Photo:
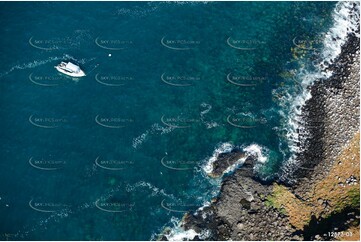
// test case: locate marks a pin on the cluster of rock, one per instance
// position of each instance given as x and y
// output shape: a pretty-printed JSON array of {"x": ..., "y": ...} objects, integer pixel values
[
  {"x": 332, "y": 114},
  {"x": 240, "y": 213}
]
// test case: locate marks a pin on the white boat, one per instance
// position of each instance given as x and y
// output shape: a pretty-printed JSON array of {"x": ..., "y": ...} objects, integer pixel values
[{"x": 70, "y": 69}]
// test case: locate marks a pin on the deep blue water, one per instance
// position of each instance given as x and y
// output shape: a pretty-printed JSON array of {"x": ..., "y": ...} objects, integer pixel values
[{"x": 103, "y": 157}]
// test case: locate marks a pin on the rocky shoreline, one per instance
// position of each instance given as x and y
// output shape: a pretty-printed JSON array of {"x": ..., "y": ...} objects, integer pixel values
[
  {"x": 332, "y": 114},
  {"x": 240, "y": 213},
  {"x": 249, "y": 209}
]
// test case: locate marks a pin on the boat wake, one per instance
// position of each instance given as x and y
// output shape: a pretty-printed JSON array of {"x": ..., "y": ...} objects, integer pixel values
[
  {"x": 159, "y": 129},
  {"x": 30, "y": 65},
  {"x": 155, "y": 191},
  {"x": 36, "y": 63},
  {"x": 155, "y": 129},
  {"x": 58, "y": 216}
]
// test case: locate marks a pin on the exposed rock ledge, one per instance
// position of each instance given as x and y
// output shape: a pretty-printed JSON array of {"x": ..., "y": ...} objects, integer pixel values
[{"x": 326, "y": 197}]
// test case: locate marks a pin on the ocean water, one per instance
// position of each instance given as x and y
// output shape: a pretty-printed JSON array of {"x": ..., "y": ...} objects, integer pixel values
[{"x": 124, "y": 152}]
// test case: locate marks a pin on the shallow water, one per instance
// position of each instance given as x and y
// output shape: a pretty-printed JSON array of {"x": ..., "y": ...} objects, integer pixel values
[{"x": 116, "y": 154}]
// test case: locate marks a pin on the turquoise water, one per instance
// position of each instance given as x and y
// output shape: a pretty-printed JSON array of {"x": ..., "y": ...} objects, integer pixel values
[{"x": 118, "y": 153}]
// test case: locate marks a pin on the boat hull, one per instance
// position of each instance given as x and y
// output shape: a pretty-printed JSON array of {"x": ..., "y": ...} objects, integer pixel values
[{"x": 79, "y": 74}]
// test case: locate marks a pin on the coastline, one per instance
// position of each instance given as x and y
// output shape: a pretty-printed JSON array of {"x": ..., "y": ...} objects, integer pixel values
[{"x": 327, "y": 178}]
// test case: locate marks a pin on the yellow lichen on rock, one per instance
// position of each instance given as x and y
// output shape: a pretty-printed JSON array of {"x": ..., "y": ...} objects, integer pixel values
[
  {"x": 336, "y": 190},
  {"x": 299, "y": 213},
  {"x": 353, "y": 234}
]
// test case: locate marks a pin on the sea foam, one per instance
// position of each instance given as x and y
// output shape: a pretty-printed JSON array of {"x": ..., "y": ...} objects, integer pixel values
[
  {"x": 257, "y": 151},
  {"x": 345, "y": 21},
  {"x": 177, "y": 233}
]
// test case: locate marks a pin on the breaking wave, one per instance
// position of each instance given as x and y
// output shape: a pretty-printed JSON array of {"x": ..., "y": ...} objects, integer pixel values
[
  {"x": 292, "y": 100},
  {"x": 176, "y": 232}
]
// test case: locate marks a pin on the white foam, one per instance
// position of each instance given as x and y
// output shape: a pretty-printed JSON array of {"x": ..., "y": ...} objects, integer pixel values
[
  {"x": 56, "y": 216},
  {"x": 155, "y": 191},
  {"x": 137, "y": 11},
  {"x": 155, "y": 129},
  {"x": 177, "y": 233},
  {"x": 342, "y": 26},
  {"x": 205, "y": 214},
  {"x": 206, "y": 204},
  {"x": 36, "y": 63},
  {"x": 345, "y": 22},
  {"x": 221, "y": 148},
  {"x": 186, "y": 2},
  {"x": 208, "y": 124},
  {"x": 335, "y": 38},
  {"x": 140, "y": 139},
  {"x": 30, "y": 65},
  {"x": 182, "y": 235},
  {"x": 256, "y": 151},
  {"x": 207, "y": 107}
]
